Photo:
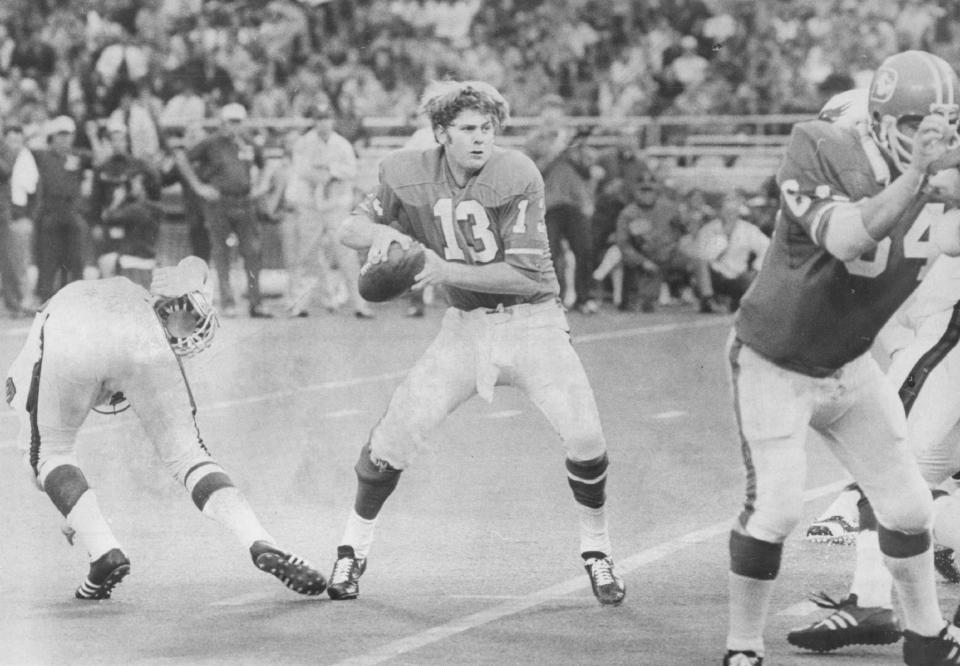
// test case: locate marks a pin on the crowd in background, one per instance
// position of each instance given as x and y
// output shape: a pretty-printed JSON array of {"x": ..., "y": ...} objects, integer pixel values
[{"x": 157, "y": 68}]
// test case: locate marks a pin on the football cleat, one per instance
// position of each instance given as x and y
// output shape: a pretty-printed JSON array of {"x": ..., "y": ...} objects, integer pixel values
[
  {"x": 106, "y": 572},
  {"x": 940, "y": 650},
  {"x": 945, "y": 564},
  {"x": 834, "y": 530},
  {"x": 848, "y": 624},
  {"x": 742, "y": 658},
  {"x": 608, "y": 588},
  {"x": 346, "y": 573},
  {"x": 294, "y": 572}
]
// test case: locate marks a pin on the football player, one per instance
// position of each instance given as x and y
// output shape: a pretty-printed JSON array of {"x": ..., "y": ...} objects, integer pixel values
[
  {"x": 109, "y": 343},
  {"x": 857, "y": 225},
  {"x": 479, "y": 210}
]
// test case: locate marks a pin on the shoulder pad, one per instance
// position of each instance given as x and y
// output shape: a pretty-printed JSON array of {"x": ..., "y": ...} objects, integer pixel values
[
  {"x": 411, "y": 167},
  {"x": 510, "y": 171}
]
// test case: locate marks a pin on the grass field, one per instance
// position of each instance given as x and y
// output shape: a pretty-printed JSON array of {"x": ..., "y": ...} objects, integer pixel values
[{"x": 476, "y": 558}]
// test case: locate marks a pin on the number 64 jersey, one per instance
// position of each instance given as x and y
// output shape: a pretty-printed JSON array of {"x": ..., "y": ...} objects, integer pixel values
[
  {"x": 497, "y": 216},
  {"x": 807, "y": 310}
]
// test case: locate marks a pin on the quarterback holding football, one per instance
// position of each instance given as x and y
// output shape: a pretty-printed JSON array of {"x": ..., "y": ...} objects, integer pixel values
[{"x": 478, "y": 211}]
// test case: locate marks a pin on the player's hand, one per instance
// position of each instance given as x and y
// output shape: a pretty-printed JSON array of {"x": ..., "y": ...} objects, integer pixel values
[
  {"x": 383, "y": 236},
  {"x": 931, "y": 141},
  {"x": 434, "y": 271}
]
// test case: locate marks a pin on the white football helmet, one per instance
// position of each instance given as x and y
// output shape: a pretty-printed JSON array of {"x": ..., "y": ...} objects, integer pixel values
[{"x": 197, "y": 305}]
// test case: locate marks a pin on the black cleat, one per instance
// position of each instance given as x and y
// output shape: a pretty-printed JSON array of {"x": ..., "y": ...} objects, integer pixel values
[
  {"x": 945, "y": 564},
  {"x": 608, "y": 588},
  {"x": 346, "y": 574},
  {"x": 742, "y": 658},
  {"x": 294, "y": 572},
  {"x": 833, "y": 530},
  {"x": 106, "y": 572},
  {"x": 940, "y": 650},
  {"x": 848, "y": 624}
]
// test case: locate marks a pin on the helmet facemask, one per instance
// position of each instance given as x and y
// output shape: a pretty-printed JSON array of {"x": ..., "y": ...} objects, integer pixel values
[
  {"x": 898, "y": 145},
  {"x": 175, "y": 313}
]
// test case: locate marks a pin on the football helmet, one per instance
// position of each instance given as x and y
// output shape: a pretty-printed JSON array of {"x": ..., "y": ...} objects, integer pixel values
[
  {"x": 911, "y": 84},
  {"x": 206, "y": 322}
]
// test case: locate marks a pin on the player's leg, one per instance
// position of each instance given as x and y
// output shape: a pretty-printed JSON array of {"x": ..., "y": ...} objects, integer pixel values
[
  {"x": 840, "y": 521},
  {"x": 159, "y": 394},
  {"x": 58, "y": 392},
  {"x": 773, "y": 408},
  {"x": 870, "y": 439},
  {"x": 217, "y": 224},
  {"x": 247, "y": 225},
  {"x": 548, "y": 370},
  {"x": 443, "y": 378},
  {"x": 927, "y": 372}
]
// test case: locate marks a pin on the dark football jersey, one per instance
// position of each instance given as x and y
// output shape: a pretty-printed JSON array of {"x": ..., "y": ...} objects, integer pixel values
[
  {"x": 497, "y": 216},
  {"x": 807, "y": 310}
]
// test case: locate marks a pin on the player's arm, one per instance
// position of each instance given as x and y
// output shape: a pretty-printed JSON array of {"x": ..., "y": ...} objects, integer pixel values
[
  {"x": 853, "y": 228},
  {"x": 185, "y": 165},
  {"x": 498, "y": 277},
  {"x": 367, "y": 228}
]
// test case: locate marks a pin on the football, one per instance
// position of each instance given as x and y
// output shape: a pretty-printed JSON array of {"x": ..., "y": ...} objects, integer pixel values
[{"x": 394, "y": 275}]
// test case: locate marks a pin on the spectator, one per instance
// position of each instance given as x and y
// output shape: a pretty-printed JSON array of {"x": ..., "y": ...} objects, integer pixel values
[
  {"x": 185, "y": 107},
  {"x": 565, "y": 163},
  {"x": 730, "y": 253},
  {"x": 132, "y": 223},
  {"x": 61, "y": 230},
  {"x": 16, "y": 237},
  {"x": 648, "y": 233},
  {"x": 112, "y": 189},
  {"x": 228, "y": 177},
  {"x": 10, "y": 286},
  {"x": 320, "y": 192},
  {"x": 135, "y": 113}
]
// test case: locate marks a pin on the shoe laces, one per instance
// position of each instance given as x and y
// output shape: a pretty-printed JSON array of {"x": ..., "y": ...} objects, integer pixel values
[
  {"x": 824, "y": 600},
  {"x": 342, "y": 569},
  {"x": 602, "y": 571}
]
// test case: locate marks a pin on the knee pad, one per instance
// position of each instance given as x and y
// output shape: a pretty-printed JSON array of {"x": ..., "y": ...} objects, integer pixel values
[
  {"x": 375, "y": 482},
  {"x": 64, "y": 485},
  {"x": 588, "y": 480},
  {"x": 204, "y": 479},
  {"x": 754, "y": 558}
]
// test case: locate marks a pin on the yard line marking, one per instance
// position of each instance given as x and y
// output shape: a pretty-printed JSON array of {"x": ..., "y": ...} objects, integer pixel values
[
  {"x": 671, "y": 414},
  {"x": 505, "y": 414},
  {"x": 519, "y": 604},
  {"x": 373, "y": 379},
  {"x": 105, "y": 427}
]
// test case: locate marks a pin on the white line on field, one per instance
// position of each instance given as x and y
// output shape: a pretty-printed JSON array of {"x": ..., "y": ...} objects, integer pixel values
[
  {"x": 374, "y": 379},
  {"x": 519, "y": 604}
]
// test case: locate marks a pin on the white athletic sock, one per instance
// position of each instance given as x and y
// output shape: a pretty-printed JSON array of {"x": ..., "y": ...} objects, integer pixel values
[
  {"x": 229, "y": 508},
  {"x": 593, "y": 529},
  {"x": 749, "y": 602},
  {"x": 359, "y": 534},
  {"x": 872, "y": 582},
  {"x": 917, "y": 592},
  {"x": 946, "y": 522},
  {"x": 91, "y": 527}
]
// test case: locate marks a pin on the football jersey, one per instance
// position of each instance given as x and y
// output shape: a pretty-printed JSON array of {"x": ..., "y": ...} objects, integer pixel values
[
  {"x": 807, "y": 310},
  {"x": 497, "y": 216}
]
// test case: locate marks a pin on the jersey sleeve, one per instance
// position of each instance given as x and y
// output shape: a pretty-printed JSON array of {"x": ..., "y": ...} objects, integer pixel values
[
  {"x": 384, "y": 207},
  {"x": 520, "y": 220},
  {"x": 810, "y": 177}
]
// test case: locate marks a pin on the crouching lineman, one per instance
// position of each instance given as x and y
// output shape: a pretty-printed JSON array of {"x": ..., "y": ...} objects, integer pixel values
[{"x": 100, "y": 343}]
